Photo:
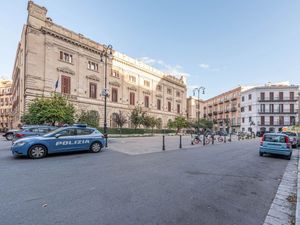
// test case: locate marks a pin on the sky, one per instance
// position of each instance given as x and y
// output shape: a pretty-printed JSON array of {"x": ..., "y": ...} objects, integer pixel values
[{"x": 217, "y": 44}]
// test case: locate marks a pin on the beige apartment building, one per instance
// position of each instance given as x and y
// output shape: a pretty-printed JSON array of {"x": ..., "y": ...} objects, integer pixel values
[
  {"x": 194, "y": 107},
  {"x": 49, "y": 53},
  {"x": 5, "y": 104}
]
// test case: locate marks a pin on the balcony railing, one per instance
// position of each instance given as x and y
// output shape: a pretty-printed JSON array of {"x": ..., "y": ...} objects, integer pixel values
[
  {"x": 276, "y": 123},
  {"x": 277, "y": 111},
  {"x": 233, "y": 109},
  {"x": 277, "y": 99}
]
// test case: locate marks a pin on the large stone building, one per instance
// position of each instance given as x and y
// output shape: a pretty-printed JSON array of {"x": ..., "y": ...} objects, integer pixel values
[
  {"x": 194, "y": 107},
  {"x": 269, "y": 107},
  {"x": 49, "y": 54},
  {"x": 5, "y": 104}
]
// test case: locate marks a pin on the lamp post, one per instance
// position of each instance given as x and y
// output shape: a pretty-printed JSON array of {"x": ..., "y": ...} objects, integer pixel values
[
  {"x": 106, "y": 53},
  {"x": 198, "y": 90}
]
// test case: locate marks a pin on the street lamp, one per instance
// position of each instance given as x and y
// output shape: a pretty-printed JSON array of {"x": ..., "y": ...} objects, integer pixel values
[
  {"x": 106, "y": 53},
  {"x": 199, "y": 89}
]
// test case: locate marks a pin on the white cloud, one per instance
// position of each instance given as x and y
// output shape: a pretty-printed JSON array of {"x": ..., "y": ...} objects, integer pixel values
[
  {"x": 176, "y": 70},
  {"x": 204, "y": 66},
  {"x": 209, "y": 67}
]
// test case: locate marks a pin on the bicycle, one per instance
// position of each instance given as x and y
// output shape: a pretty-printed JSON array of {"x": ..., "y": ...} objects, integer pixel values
[{"x": 197, "y": 139}]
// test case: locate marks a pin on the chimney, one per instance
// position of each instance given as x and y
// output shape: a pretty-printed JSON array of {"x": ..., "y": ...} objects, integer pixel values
[{"x": 36, "y": 15}]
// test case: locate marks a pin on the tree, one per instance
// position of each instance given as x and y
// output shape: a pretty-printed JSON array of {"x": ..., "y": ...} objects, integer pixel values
[
  {"x": 178, "y": 123},
  {"x": 91, "y": 118},
  {"x": 120, "y": 119},
  {"x": 158, "y": 123},
  {"x": 137, "y": 116},
  {"x": 149, "y": 121},
  {"x": 53, "y": 110}
]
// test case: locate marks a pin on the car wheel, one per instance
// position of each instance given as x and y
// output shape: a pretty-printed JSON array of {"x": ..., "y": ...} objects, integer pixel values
[
  {"x": 96, "y": 147},
  {"x": 261, "y": 154},
  {"x": 37, "y": 152},
  {"x": 9, "y": 137}
]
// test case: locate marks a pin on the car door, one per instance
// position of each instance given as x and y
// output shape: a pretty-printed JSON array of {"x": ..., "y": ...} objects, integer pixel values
[
  {"x": 66, "y": 141},
  {"x": 84, "y": 138}
]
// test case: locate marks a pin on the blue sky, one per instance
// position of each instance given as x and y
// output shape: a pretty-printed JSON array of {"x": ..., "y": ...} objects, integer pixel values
[{"x": 218, "y": 44}]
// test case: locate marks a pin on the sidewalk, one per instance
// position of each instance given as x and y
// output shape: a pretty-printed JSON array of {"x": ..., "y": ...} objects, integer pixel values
[{"x": 283, "y": 208}]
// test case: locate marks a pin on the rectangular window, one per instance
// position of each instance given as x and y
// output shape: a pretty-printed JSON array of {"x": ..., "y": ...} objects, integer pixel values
[
  {"x": 292, "y": 108},
  {"x": 169, "y": 107},
  {"x": 115, "y": 74},
  {"x": 249, "y": 108},
  {"x": 292, "y": 120},
  {"x": 132, "y": 79},
  {"x": 158, "y": 104},
  {"x": 158, "y": 88},
  {"x": 291, "y": 95},
  {"x": 249, "y": 97},
  {"x": 177, "y": 93},
  {"x": 243, "y": 98},
  {"x": 132, "y": 98},
  {"x": 262, "y": 95},
  {"x": 146, "y": 99},
  {"x": 169, "y": 91},
  {"x": 281, "y": 120},
  {"x": 271, "y": 108},
  {"x": 262, "y": 120},
  {"x": 281, "y": 108},
  {"x": 93, "y": 90},
  {"x": 262, "y": 107},
  {"x": 146, "y": 83},
  {"x": 178, "y": 108},
  {"x": 92, "y": 66},
  {"x": 250, "y": 119},
  {"x": 280, "y": 95},
  {"x": 114, "y": 95},
  {"x": 65, "y": 84},
  {"x": 66, "y": 57},
  {"x": 271, "y": 94},
  {"x": 243, "y": 120},
  {"x": 271, "y": 120}
]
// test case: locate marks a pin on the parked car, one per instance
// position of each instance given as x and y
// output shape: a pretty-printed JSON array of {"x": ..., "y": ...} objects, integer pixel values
[
  {"x": 34, "y": 130},
  {"x": 9, "y": 135},
  {"x": 276, "y": 143},
  {"x": 294, "y": 139},
  {"x": 65, "y": 139}
]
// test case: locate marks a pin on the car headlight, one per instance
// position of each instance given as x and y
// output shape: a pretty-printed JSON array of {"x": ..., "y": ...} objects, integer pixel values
[{"x": 19, "y": 144}]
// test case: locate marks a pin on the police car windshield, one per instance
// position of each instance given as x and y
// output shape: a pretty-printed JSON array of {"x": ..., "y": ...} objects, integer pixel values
[{"x": 52, "y": 133}]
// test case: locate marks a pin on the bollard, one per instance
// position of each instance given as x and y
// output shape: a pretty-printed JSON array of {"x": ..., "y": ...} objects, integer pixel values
[
  {"x": 180, "y": 141},
  {"x": 203, "y": 139},
  {"x": 229, "y": 137},
  {"x": 224, "y": 139},
  {"x": 163, "y": 146},
  {"x": 212, "y": 139}
]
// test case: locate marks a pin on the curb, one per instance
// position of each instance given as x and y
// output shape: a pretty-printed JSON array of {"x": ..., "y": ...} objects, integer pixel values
[{"x": 298, "y": 196}]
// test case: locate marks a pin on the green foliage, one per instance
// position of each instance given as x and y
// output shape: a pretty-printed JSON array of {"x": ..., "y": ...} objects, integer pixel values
[
  {"x": 137, "y": 116},
  {"x": 120, "y": 119},
  {"x": 203, "y": 123},
  {"x": 54, "y": 110},
  {"x": 90, "y": 118},
  {"x": 178, "y": 123},
  {"x": 138, "y": 131}
]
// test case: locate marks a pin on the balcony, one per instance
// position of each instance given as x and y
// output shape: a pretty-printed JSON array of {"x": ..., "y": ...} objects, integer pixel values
[
  {"x": 227, "y": 110},
  {"x": 277, "y": 111},
  {"x": 276, "y": 123},
  {"x": 221, "y": 111},
  {"x": 209, "y": 114},
  {"x": 233, "y": 98},
  {"x": 215, "y": 103},
  {"x": 221, "y": 101},
  {"x": 233, "y": 109},
  {"x": 215, "y": 112},
  {"x": 277, "y": 99},
  {"x": 226, "y": 99}
]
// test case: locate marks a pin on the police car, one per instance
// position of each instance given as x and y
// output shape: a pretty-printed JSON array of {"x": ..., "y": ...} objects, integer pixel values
[{"x": 66, "y": 139}]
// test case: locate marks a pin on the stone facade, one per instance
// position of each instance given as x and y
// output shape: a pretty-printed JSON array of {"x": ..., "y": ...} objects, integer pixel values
[
  {"x": 5, "y": 104},
  {"x": 51, "y": 58},
  {"x": 194, "y": 107}
]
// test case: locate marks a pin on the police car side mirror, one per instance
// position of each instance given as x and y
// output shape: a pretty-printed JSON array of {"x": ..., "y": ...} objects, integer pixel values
[{"x": 57, "y": 135}]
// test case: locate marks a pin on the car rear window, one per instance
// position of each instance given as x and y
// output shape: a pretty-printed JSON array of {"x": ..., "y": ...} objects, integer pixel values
[{"x": 274, "y": 138}]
